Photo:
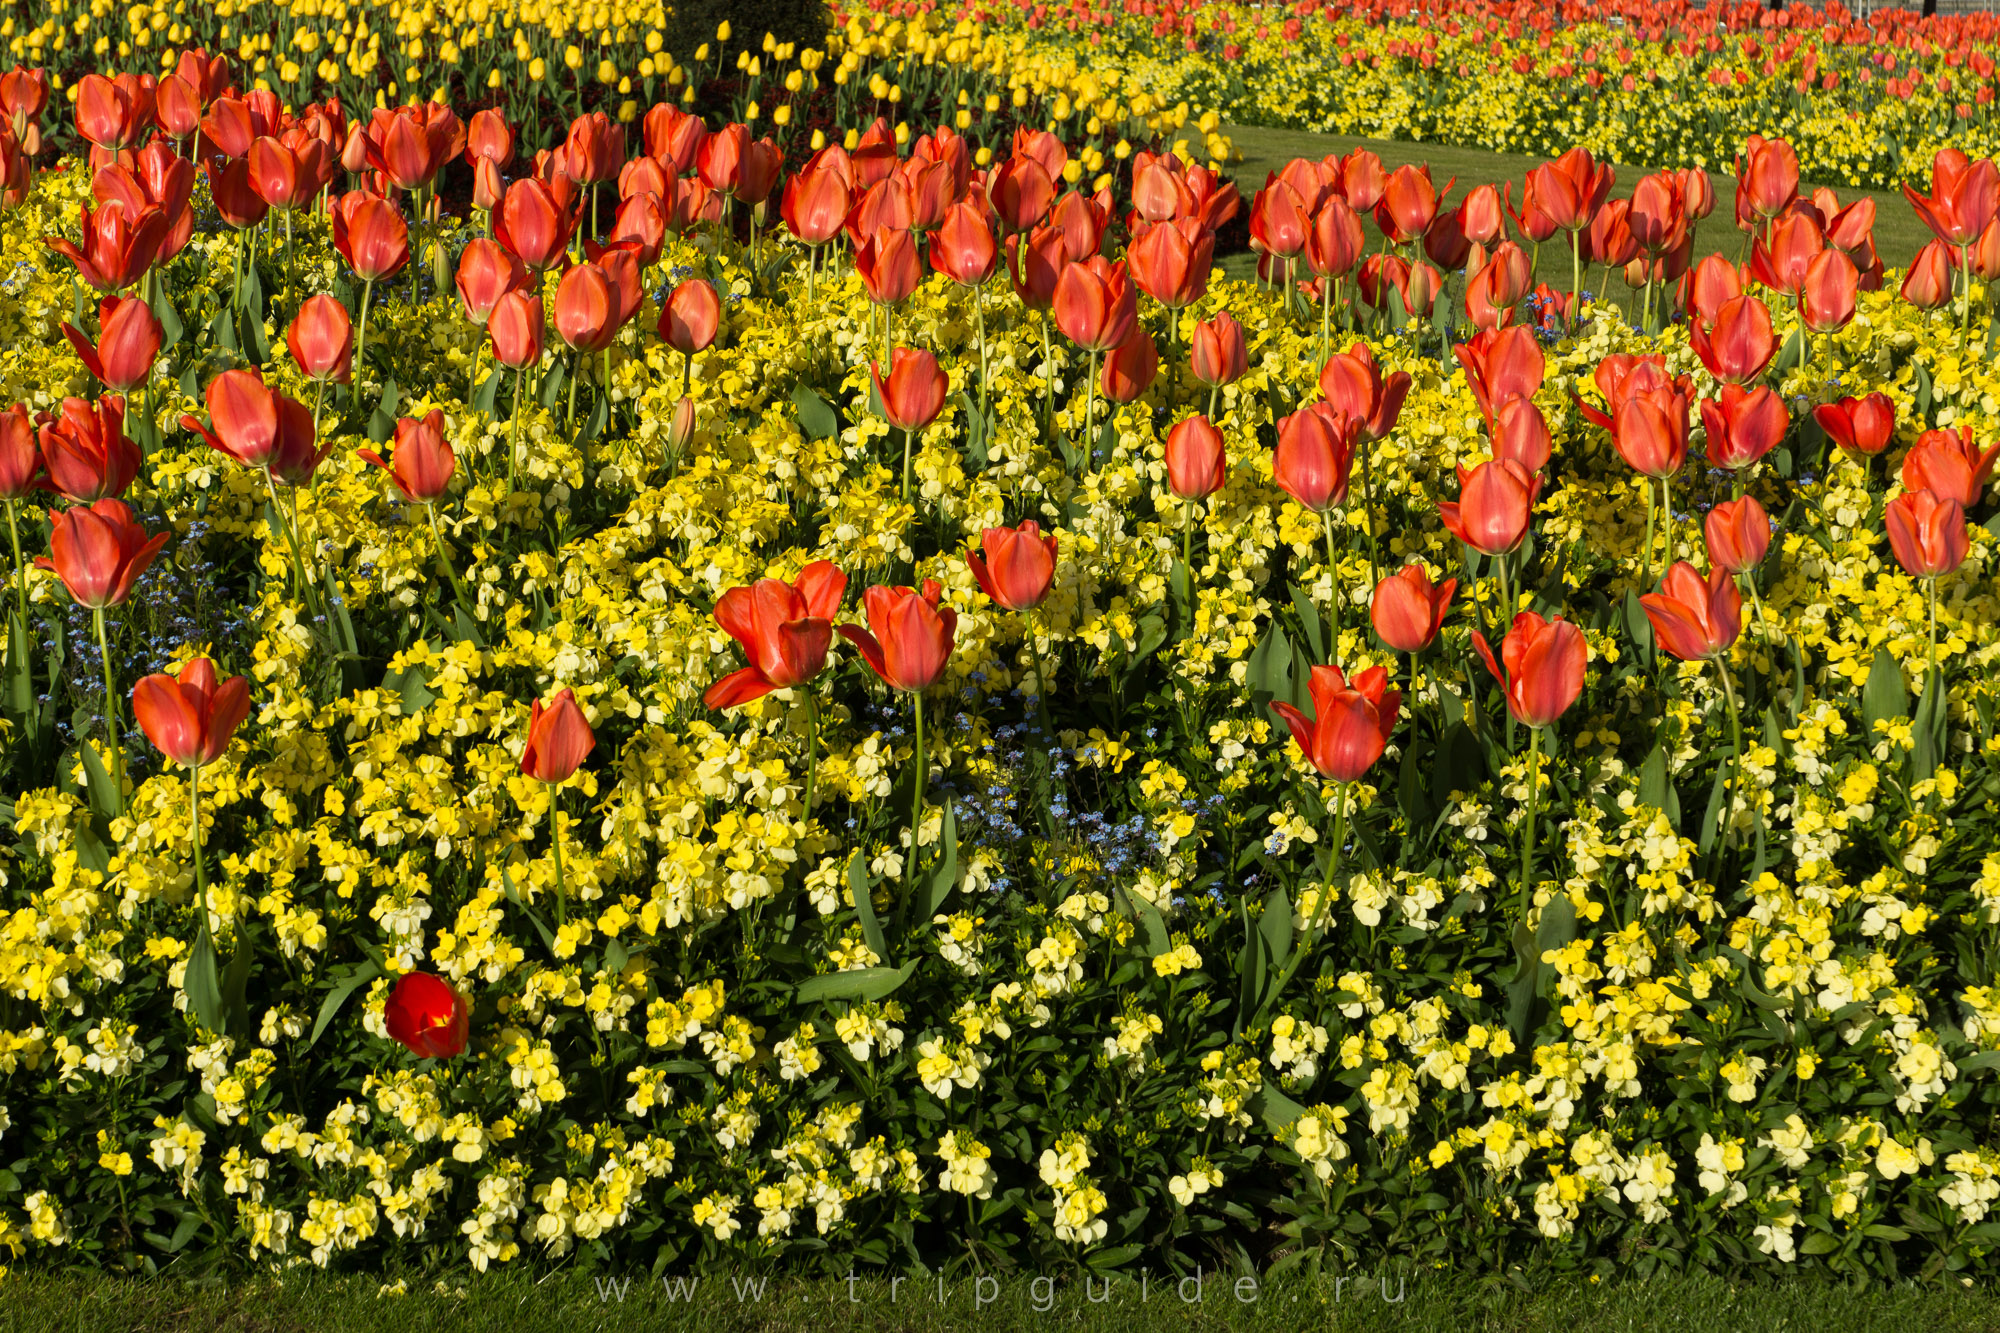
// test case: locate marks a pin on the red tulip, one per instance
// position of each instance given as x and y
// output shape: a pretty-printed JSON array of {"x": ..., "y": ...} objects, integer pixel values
[
  {"x": 595, "y": 148},
  {"x": 559, "y": 739},
  {"x": 914, "y": 393},
  {"x": 119, "y": 245},
  {"x": 1743, "y": 425},
  {"x": 1362, "y": 179},
  {"x": 1945, "y": 461},
  {"x": 1927, "y": 284},
  {"x": 909, "y": 636},
  {"x": 427, "y": 1016},
  {"x": 1094, "y": 304},
  {"x": 1197, "y": 463},
  {"x": 1521, "y": 433},
  {"x": 1964, "y": 197},
  {"x": 1711, "y": 284},
  {"x": 1130, "y": 368},
  {"x": 1495, "y": 505},
  {"x": 1217, "y": 352},
  {"x": 257, "y": 426},
  {"x": 1767, "y": 176},
  {"x": 229, "y": 189},
  {"x": 692, "y": 317},
  {"x": 1314, "y": 455},
  {"x": 888, "y": 267},
  {"x": 963, "y": 248},
  {"x": 1335, "y": 241},
  {"x": 673, "y": 137},
  {"x": 1351, "y": 721},
  {"x": 1739, "y": 344},
  {"x": 1658, "y": 215},
  {"x": 1407, "y": 611},
  {"x": 784, "y": 628},
  {"x": 1543, "y": 672},
  {"x": 532, "y": 225},
  {"x": 1352, "y": 382},
  {"x": 279, "y": 175},
  {"x": 1827, "y": 296},
  {"x": 1739, "y": 533},
  {"x": 1170, "y": 261},
  {"x": 1501, "y": 364},
  {"x": 642, "y": 221},
  {"x": 1927, "y": 533},
  {"x": 411, "y": 144},
  {"x": 128, "y": 341},
  {"x": 1278, "y": 221},
  {"x": 814, "y": 205},
  {"x": 1483, "y": 216},
  {"x": 587, "y": 308},
  {"x": 86, "y": 451},
  {"x": 1650, "y": 431},
  {"x": 1015, "y": 566},
  {"x": 1782, "y": 262},
  {"x": 1034, "y": 268},
  {"x": 22, "y": 472},
  {"x": 23, "y": 94},
  {"x": 424, "y": 460},
  {"x": 489, "y": 138},
  {"x": 157, "y": 180},
  {"x": 487, "y": 271},
  {"x": 757, "y": 174},
  {"x": 516, "y": 328},
  {"x": 1021, "y": 191},
  {"x": 189, "y": 717},
  {"x": 321, "y": 340},
  {"x": 371, "y": 236},
  {"x": 1695, "y": 619},
  {"x": 113, "y": 113},
  {"x": 1862, "y": 427},
  {"x": 99, "y": 552}
]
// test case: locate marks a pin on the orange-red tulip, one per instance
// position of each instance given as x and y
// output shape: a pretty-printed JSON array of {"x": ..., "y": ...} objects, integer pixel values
[
  {"x": 99, "y": 552},
  {"x": 1543, "y": 667},
  {"x": 113, "y": 113},
  {"x": 673, "y": 137},
  {"x": 1521, "y": 433},
  {"x": 1861, "y": 427},
  {"x": 1739, "y": 344},
  {"x": 1743, "y": 425},
  {"x": 1964, "y": 197},
  {"x": 1767, "y": 176},
  {"x": 424, "y": 461},
  {"x": 1351, "y": 721},
  {"x": 1278, "y": 221},
  {"x": 888, "y": 266},
  {"x": 1314, "y": 456},
  {"x": 487, "y": 271},
  {"x": 1927, "y": 533},
  {"x": 963, "y": 248},
  {"x": 1927, "y": 284},
  {"x": 128, "y": 342},
  {"x": 1695, "y": 619},
  {"x": 1827, "y": 296},
  {"x": 559, "y": 739},
  {"x": 785, "y": 629},
  {"x": 1217, "y": 352},
  {"x": 1408, "y": 611},
  {"x": 587, "y": 304},
  {"x": 1016, "y": 567},
  {"x": 86, "y": 451},
  {"x": 1738, "y": 533},
  {"x": 321, "y": 339},
  {"x": 489, "y": 138},
  {"x": 1094, "y": 305},
  {"x": 914, "y": 392},
  {"x": 815, "y": 203},
  {"x": 190, "y": 716},
  {"x": 1130, "y": 368},
  {"x": 516, "y": 328},
  {"x": 1197, "y": 463},
  {"x": 692, "y": 317},
  {"x": 1501, "y": 364},
  {"x": 371, "y": 236},
  {"x": 1021, "y": 191},
  {"x": 258, "y": 427},
  {"x": 1352, "y": 382},
  {"x": 1650, "y": 431},
  {"x": 1170, "y": 262},
  {"x": 1495, "y": 505},
  {"x": 909, "y": 636},
  {"x": 533, "y": 225},
  {"x": 1335, "y": 240},
  {"x": 22, "y": 472},
  {"x": 119, "y": 245},
  {"x": 427, "y": 1016},
  {"x": 595, "y": 148},
  {"x": 1948, "y": 462}
]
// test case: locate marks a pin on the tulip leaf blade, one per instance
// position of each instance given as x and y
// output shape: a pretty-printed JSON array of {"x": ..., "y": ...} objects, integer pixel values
[
  {"x": 1929, "y": 729},
  {"x": 97, "y": 780},
  {"x": 1276, "y": 928},
  {"x": 862, "y": 885},
  {"x": 1252, "y": 964},
  {"x": 862, "y": 983},
  {"x": 202, "y": 984},
  {"x": 1269, "y": 671},
  {"x": 1637, "y": 627},
  {"x": 360, "y": 976},
  {"x": 813, "y": 414},
  {"x": 1274, "y": 1108},
  {"x": 1885, "y": 696},
  {"x": 1152, "y": 937},
  {"x": 382, "y": 422},
  {"x": 1309, "y": 623},
  {"x": 944, "y": 877},
  {"x": 171, "y": 328},
  {"x": 489, "y": 389}
]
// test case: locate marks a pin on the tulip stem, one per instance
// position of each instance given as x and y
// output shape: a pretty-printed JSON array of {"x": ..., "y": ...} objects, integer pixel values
[
  {"x": 291, "y": 267},
  {"x": 1965, "y": 278},
  {"x": 472, "y": 381},
  {"x": 1325, "y": 913},
  {"x": 1735, "y": 753},
  {"x": 979, "y": 315},
  {"x": 1528, "y": 830},
  {"x": 194, "y": 836},
  {"x": 361, "y": 339},
  {"x": 1089, "y": 411},
  {"x": 917, "y": 805},
  {"x": 1325, "y": 318},
  {"x": 1508, "y": 606},
  {"x": 907, "y": 433},
  {"x": 1575, "y": 274},
  {"x": 812, "y": 750},
  {"x": 575, "y": 373},
  {"x": 110, "y": 715},
  {"x": 1214, "y": 396},
  {"x": 555, "y": 841},
  {"x": 1666, "y": 521},
  {"x": 291, "y": 539},
  {"x": 319, "y": 401},
  {"x": 1187, "y": 536},
  {"x": 1646, "y": 552},
  {"x": 1048, "y": 372},
  {"x": 514, "y": 446},
  {"x": 1332, "y": 583},
  {"x": 1368, "y": 513},
  {"x": 20, "y": 565},
  {"x": 1930, "y": 668},
  {"x": 458, "y": 589}
]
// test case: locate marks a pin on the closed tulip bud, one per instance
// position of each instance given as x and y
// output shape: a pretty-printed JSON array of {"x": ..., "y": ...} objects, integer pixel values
[
  {"x": 1335, "y": 240},
  {"x": 1695, "y": 619},
  {"x": 1947, "y": 462},
  {"x": 1130, "y": 369},
  {"x": 1739, "y": 344},
  {"x": 1927, "y": 284},
  {"x": 1861, "y": 427},
  {"x": 1314, "y": 456},
  {"x": 424, "y": 461},
  {"x": 784, "y": 628},
  {"x": 1217, "y": 351},
  {"x": 1351, "y": 721},
  {"x": 190, "y": 716},
  {"x": 914, "y": 392},
  {"x": 21, "y": 469},
  {"x": 680, "y": 426},
  {"x": 1482, "y": 217},
  {"x": 692, "y": 317},
  {"x": 1739, "y": 533},
  {"x": 425, "y": 1015},
  {"x": 129, "y": 339},
  {"x": 86, "y": 451},
  {"x": 1743, "y": 425},
  {"x": 489, "y": 138},
  {"x": 1022, "y": 192},
  {"x": 1927, "y": 533},
  {"x": 587, "y": 308},
  {"x": 909, "y": 636},
  {"x": 1197, "y": 463},
  {"x": 1540, "y": 668},
  {"x": 516, "y": 328},
  {"x": 1016, "y": 567},
  {"x": 1408, "y": 611},
  {"x": 1278, "y": 221},
  {"x": 1495, "y": 506},
  {"x": 559, "y": 739},
  {"x": 99, "y": 552},
  {"x": 321, "y": 340},
  {"x": 1650, "y": 431}
]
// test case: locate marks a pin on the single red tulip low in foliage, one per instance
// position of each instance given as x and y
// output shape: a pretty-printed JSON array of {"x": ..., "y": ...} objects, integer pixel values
[
  {"x": 1217, "y": 352},
  {"x": 1744, "y": 425},
  {"x": 517, "y": 327},
  {"x": 1695, "y": 619},
  {"x": 1016, "y": 567},
  {"x": 1927, "y": 533},
  {"x": 423, "y": 461},
  {"x": 1131, "y": 368},
  {"x": 426, "y": 1016},
  {"x": 1408, "y": 610},
  {"x": 321, "y": 340},
  {"x": 1738, "y": 534},
  {"x": 1860, "y": 427},
  {"x": 559, "y": 739},
  {"x": 586, "y": 314},
  {"x": 1927, "y": 283},
  {"x": 1351, "y": 722},
  {"x": 487, "y": 271},
  {"x": 128, "y": 342},
  {"x": 86, "y": 451},
  {"x": 1314, "y": 456},
  {"x": 1946, "y": 461},
  {"x": 99, "y": 551},
  {"x": 1197, "y": 463},
  {"x": 1495, "y": 506},
  {"x": 692, "y": 317},
  {"x": 189, "y": 717},
  {"x": 1540, "y": 667},
  {"x": 784, "y": 628},
  {"x": 909, "y": 636},
  {"x": 370, "y": 234},
  {"x": 22, "y": 471}
]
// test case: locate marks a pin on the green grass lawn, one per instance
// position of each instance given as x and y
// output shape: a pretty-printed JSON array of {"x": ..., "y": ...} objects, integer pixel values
[
  {"x": 515, "y": 1302},
  {"x": 1898, "y": 233}
]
